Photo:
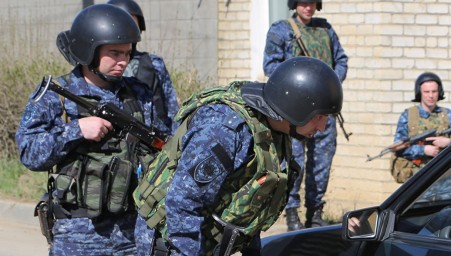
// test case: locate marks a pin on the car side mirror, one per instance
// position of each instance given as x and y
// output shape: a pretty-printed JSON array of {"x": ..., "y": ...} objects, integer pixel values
[{"x": 360, "y": 224}]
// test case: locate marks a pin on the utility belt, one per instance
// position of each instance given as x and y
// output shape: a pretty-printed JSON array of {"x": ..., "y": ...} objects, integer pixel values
[{"x": 59, "y": 212}]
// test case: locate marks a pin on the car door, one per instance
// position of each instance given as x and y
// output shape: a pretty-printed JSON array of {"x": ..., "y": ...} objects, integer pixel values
[{"x": 415, "y": 220}]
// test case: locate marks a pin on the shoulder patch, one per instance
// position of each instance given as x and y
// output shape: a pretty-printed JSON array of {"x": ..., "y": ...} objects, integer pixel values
[{"x": 207, "y": 170}]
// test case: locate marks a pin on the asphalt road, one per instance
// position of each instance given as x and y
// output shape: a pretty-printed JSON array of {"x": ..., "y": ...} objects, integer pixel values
[{"x": 20, "y": 234}]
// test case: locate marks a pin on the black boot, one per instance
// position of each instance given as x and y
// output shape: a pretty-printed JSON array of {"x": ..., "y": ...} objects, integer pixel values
[
  {"x": 293, "y": 221},
  {"x": 314, "y": 217}
]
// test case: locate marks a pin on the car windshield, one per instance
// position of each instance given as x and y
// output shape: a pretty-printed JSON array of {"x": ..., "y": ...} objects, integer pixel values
[{"x": 439, "y": 193}]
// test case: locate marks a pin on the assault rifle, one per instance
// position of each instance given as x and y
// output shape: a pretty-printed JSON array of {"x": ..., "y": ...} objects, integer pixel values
[
  {"x": 410, "y": 141},
  {"x": 127, "y": 126}
]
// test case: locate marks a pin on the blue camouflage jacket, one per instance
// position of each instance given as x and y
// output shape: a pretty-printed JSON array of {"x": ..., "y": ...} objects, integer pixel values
[
  {"x": 212, "y": 124},
  {"x": 279, "y": 43},
  {"x": 44, "y": 138}
]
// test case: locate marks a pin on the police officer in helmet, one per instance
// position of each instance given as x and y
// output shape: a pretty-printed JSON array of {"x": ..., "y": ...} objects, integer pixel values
[
  {"x": 303, "y": 34},
  {"x": 150, "y": 68},
  {"x": 414, "y": 120},
  {"x": 234, "y": 133},
  {"x": 92, "y": 167}
]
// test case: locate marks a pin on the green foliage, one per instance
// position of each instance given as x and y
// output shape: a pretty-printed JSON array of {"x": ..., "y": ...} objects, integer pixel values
[
  {"x": 18, "y": 182},
  {"x": 186, "y": 82},
  {"x": 20, "y": 76}
]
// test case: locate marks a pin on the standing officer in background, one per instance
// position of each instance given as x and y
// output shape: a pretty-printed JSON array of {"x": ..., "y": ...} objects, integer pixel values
[
  {"x": 418, "y": 119},
  {"x": 303, "y": 35},
  {"x": 150, "y": 68},
  {"x": 225, "y": 158},
  {"x": 93, "y": 167}
]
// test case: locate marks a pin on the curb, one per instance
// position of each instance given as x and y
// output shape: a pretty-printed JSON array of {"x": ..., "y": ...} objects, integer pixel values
[{"x": 19, "y": 212}]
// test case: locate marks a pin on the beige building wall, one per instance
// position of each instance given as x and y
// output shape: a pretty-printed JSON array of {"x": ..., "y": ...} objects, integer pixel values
[{"x": 389, "y": 43}]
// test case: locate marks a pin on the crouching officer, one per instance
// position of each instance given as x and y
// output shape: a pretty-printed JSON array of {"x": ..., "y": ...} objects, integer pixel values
[
  {"x": 95, "y": 165},
  {"x": 218, "y": 182}
]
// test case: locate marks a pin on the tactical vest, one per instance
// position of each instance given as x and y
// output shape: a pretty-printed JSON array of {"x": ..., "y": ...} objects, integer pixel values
[
  {"x": 142, "y": 68},
  {"x": 97, "y": 177},
  {"x": 312, "y": 41},
  {"x": 402, "y": 169},
  {"x": 252, "y": 197}
]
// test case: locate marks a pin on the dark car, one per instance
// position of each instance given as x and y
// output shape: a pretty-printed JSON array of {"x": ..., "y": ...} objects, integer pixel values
[{"x": 414, "y": 220}]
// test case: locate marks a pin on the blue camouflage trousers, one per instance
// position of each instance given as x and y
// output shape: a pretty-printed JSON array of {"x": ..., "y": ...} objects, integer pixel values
[
  {"x": 320, "y": 152},
  {"x": 144, "y": 237},
  {"x": 111, "y": 235}
]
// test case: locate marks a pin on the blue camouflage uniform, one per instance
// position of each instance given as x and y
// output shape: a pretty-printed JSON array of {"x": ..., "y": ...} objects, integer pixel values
[
  {"x": 402, "y": 132},
  {"x": 212, "y": 124},
  {"x": 164, "y": 80},
  {"x": 321, "y": 149},
  {"x": 144, "y": 236},
  {"x": 45, "y": 139}
]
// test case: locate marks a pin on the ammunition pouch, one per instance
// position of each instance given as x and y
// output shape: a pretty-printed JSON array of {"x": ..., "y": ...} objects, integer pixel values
[
  {"x": 401, "y": 169},
  {"x": 88, "y": 187},
  {"x": 43, "y": 211}
]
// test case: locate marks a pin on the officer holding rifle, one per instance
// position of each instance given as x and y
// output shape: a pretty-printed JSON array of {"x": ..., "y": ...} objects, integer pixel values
[
  {"x": 94, "y": 167},
  {"x": 418, "y": 119}
]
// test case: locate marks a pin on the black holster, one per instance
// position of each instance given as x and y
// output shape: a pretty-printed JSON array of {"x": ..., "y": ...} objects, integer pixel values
[{"x": 44, "y": 213}]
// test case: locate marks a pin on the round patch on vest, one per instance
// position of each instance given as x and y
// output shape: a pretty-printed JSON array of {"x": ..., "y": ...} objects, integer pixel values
[{"x": 207, "y": 170}]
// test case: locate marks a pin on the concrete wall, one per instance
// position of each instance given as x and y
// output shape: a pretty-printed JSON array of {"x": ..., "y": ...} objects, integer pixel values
[
  {"x": 183, "y": 32},
  {"x": 389, "y": 43}
]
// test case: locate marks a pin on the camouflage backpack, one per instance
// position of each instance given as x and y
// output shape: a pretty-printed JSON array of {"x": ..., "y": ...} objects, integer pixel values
[{"x": 251, "y": 198}]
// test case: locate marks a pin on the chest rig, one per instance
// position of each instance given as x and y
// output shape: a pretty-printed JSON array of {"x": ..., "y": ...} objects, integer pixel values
[
  {"x": 98, "y": 176},
  {"x": 418, "y": 125}
]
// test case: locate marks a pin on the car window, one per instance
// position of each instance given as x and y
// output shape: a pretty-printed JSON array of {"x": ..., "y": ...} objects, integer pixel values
[
  {"x": 439, "y": 193},
  {"x": 430, "y": 213}
]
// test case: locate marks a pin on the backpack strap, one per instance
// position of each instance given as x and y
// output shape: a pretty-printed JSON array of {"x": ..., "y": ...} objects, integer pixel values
[
  {"x": 147, "y": 74},
  {"x": 147, "y": 191},
  {"x": 297, "y": 32}
]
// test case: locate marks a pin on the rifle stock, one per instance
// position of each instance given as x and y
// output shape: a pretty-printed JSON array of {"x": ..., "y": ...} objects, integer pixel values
[{"x": 125, "y": 123}]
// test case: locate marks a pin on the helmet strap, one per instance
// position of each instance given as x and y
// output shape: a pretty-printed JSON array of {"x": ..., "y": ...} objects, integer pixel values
[
  {"x": 294, "y": 134},
  {"x": 104, "y": 77}
]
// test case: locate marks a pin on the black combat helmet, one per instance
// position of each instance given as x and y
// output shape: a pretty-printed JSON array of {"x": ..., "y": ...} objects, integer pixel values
[
  {"x": 425, "y": 77},
  {"x": 293, "y": 3},
  {"x": 133, "y": 8},
  {"x": 302, "y": 87},
  {"x": 97, "y": 25}
]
